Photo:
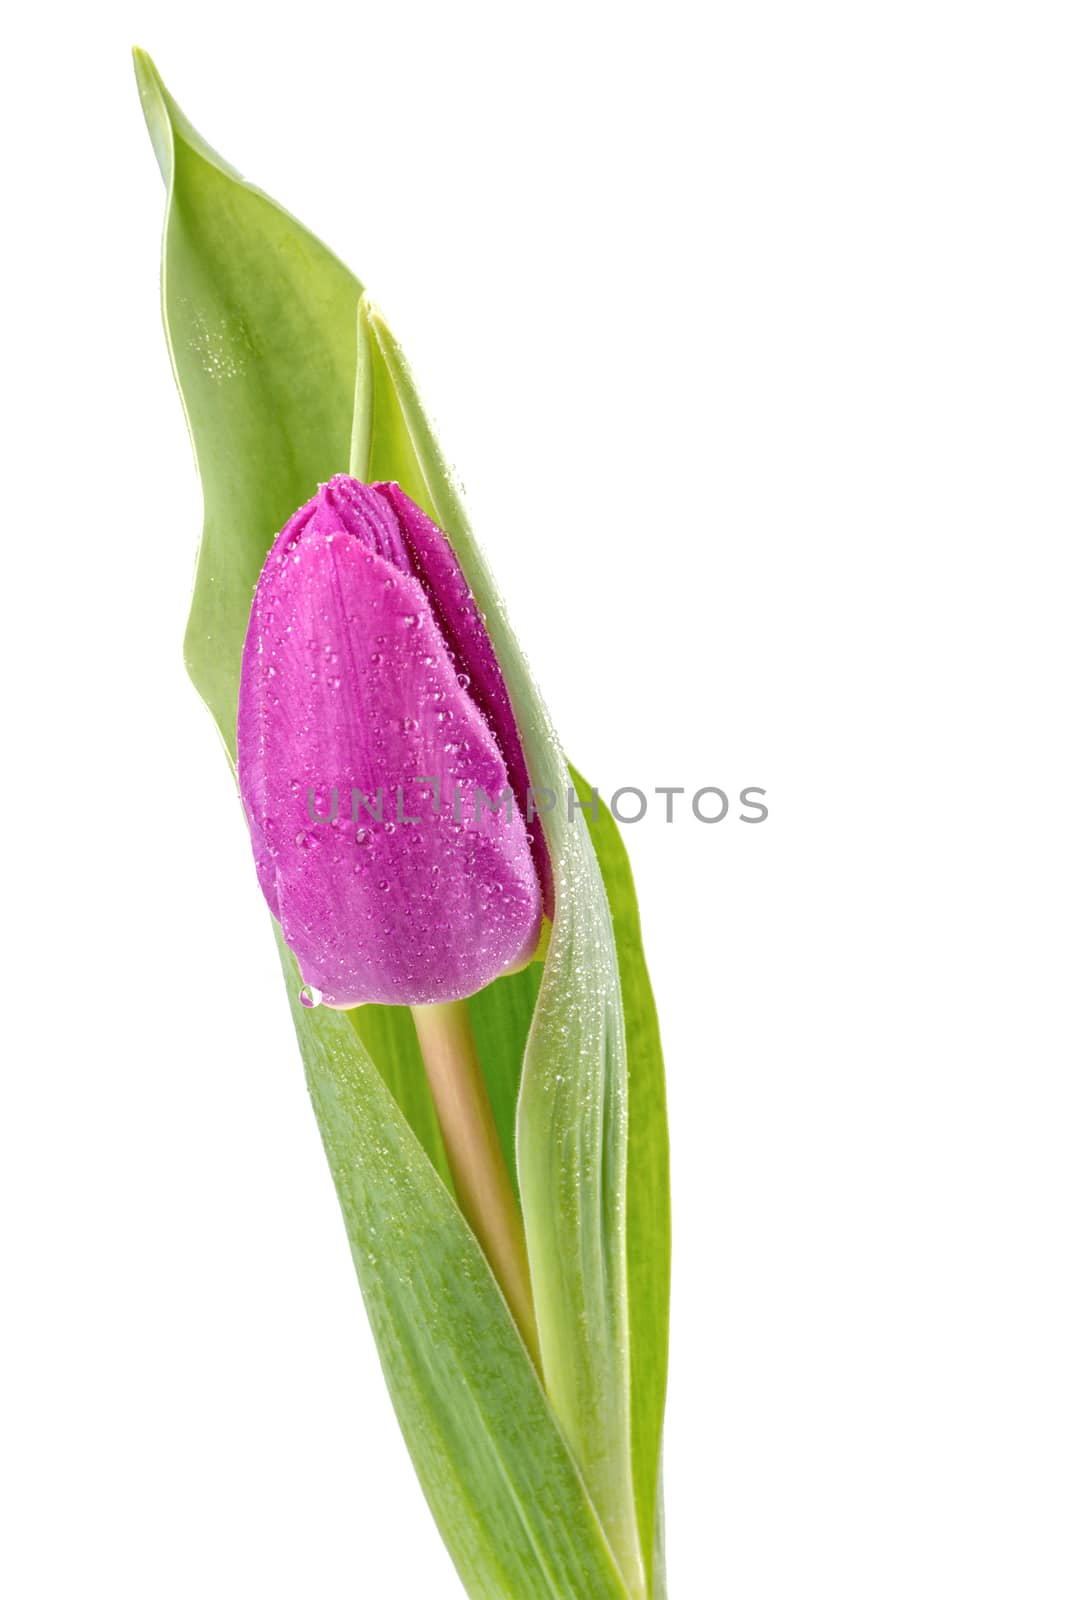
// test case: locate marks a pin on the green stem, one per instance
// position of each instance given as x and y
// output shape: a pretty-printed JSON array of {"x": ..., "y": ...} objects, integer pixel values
[{"x": 475, "y": 1156}]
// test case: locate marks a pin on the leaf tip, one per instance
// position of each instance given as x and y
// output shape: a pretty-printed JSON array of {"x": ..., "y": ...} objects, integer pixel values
[
  {"x": 156, "y": 113},
  {"x": 368, "y": 317}
]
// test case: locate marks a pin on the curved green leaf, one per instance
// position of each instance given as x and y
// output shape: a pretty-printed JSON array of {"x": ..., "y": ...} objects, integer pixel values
[
  {"x": 648, "y": 1201},
  {"x": 571, "y": 1127},
  {"x": 260, "y": 320},
  {"x": 499, "y": 1479}
]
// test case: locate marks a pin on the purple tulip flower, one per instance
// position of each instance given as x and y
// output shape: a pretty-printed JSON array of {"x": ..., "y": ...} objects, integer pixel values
[{"x": 371, "y": 695}]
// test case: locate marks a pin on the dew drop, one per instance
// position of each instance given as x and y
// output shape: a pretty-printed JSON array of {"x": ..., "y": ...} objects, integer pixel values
[
  {"x": 310, "y": 996},
  {"x": 463, "y": 679}
]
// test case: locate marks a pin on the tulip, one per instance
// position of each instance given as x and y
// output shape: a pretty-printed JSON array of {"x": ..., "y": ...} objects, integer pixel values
[
  {"x": 374, "y": 738},
  {"x": 374, "y": 734}
]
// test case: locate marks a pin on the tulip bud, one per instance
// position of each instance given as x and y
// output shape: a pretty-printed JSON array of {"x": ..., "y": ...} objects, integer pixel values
[{"x": 374, "y": 738}]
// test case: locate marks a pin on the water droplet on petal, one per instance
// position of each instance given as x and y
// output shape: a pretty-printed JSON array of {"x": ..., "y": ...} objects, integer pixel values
[{"x": 463, "y": 679}]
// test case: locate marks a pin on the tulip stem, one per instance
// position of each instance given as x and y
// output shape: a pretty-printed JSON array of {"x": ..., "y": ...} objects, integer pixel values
[{"x": 475, "y": 1156}]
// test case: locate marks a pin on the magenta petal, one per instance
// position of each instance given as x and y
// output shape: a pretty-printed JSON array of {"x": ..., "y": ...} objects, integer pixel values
[
  {"x": 465, "y": 632},
  {"x": 349, "y": 684}
]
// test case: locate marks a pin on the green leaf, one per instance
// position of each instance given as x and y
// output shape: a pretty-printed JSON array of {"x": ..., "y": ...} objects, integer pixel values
[
  {"x": 264, "y": 362},
  {"x": 261, "y": 324},
  {"x": 269, "y": 338},
  {"x": 648, "y": 1203},
  {"x": 387, "y": 1033},
  {"x": 571, "y": 1125},
  {"x": 501, "y": 1483}
]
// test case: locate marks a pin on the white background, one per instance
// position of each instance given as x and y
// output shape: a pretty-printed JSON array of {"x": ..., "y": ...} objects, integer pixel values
[{"x": 745, "y": 326}]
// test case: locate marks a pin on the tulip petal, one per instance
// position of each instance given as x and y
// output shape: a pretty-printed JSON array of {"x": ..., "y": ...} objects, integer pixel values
[
  {"x": 351, "y": 710},
  {"x": 463, "y": 627}
]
